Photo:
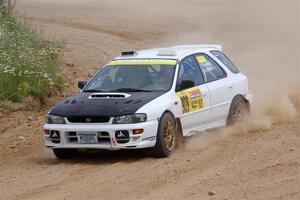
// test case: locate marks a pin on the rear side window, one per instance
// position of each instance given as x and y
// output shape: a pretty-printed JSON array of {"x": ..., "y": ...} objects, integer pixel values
[
  {"x": 212, "y": 71},
  {"x": 223, "y": 58}
]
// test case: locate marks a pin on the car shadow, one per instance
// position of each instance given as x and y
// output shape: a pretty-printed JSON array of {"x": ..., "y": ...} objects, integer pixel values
[{"x": 97, "y": 157}]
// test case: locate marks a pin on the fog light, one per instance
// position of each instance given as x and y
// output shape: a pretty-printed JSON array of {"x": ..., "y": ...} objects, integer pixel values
[
  {"x": 122, "y": 136},
  {"x": 55, "y": 136},
  {"x": 138, "y": 131},
  {"x": 46, "y": 132}
]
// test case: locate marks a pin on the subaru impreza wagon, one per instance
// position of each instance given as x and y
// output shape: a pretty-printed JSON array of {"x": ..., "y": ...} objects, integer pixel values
[{"x": 150, "y": 99}]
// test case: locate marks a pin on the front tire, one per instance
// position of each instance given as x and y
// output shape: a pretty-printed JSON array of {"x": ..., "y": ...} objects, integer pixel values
[
  {"x": 166, "y": 136},
  {"x": 239, "y": 108},
  {"x": 65, "y": 154}
]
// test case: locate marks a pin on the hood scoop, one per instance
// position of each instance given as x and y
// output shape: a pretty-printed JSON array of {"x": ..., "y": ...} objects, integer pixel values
[{"x": 109, "y": 96}]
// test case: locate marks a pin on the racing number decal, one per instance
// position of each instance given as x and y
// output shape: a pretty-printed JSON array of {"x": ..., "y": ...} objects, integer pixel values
[
  {"x": 185, "y": 104},
  {"x": 191, "y": 100},
  {"x": 196, "y": 99}
]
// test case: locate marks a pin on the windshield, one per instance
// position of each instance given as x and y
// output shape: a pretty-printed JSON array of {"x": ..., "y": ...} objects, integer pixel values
[{"x": 134, "y": 76}]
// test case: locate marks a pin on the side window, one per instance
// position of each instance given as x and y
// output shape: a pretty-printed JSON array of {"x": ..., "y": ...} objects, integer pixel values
[
  {"x": 223, "y": 58},
  {"x": 189, "y": 71},
  {"x": 104, "y": 79},
  {"x": 212, "y": 71}
]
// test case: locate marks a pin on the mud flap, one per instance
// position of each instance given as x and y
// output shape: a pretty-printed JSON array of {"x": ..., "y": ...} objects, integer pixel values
[{"x": 179, "y": 132}]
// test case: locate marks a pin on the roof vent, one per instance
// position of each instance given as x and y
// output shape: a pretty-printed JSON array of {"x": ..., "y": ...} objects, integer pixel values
[
  {"x": 166, "y": 52},
  {"x": 108, "y": 96},
  {"x": 128, "y": 53}
]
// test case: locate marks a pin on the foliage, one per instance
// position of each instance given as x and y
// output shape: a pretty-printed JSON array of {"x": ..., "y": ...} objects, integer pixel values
[{"x": 28, "y": 64}]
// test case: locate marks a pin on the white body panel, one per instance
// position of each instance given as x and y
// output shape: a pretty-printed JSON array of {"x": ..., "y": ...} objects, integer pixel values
[
  {"x": 217, "y": 97},
  {"x": 200, "y": 119}
]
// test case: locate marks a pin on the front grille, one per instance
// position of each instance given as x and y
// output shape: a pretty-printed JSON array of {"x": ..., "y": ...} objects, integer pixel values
[
  {"x": 72, "y": 136},
  {"x": 103, "y": 137},
  {"x": 88, "y": 119}
]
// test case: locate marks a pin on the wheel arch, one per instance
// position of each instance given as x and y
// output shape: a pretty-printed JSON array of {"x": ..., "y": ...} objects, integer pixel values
[
  {"x": 170, "y": 112},
  {"x": 244, "y": 98},
  {"x": 231, "y": 104},
  {"x": 178, "y": 126}
]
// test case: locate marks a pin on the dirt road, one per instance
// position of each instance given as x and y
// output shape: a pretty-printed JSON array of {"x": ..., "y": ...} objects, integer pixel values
[{"x": 259, "y": 159}]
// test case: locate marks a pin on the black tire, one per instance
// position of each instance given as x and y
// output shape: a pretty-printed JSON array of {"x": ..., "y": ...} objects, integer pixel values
[
  {"x": 65, "y": 154},
  {"x": 239, "y": 108},
  {"x": 166, "y": 136}
]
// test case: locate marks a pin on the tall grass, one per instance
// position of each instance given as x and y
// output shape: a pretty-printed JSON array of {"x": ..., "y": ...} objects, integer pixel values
[{"x": 28, "y": 64}]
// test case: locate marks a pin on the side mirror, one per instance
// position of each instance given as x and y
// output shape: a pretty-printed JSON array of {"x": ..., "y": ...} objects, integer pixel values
[
  {"x": 185, "y": 84},
  {"x": 81, "y": 84}
]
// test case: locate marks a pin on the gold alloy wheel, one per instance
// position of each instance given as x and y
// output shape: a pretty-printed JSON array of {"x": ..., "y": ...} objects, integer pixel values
[{"x": 169, "y": 136}]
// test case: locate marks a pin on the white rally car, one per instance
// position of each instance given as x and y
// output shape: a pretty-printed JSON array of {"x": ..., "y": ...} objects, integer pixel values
[{"x": 149, "y": 99}]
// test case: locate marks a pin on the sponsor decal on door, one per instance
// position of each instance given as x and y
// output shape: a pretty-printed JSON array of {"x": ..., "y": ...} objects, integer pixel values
[{"x": 191, "y": 100}]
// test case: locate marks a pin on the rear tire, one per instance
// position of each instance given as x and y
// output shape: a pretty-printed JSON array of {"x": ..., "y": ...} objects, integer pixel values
[
  {"x": 166, "y": 136},
  {"x": 238, "y": 110},
  {"x": 65, "y": 154}
]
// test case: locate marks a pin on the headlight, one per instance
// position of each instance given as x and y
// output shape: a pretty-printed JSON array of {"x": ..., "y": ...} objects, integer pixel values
[
  {"x": 52, "y": 119},
  {"x": 130, "y": 119}
]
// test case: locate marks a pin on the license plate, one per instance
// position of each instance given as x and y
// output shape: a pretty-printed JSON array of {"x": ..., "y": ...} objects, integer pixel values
[{"x": 87, "y": 138}]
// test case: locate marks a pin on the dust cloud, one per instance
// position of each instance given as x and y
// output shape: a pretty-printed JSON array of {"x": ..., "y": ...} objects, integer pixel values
[
  {"x": 267, "y": 54},
  {"x": 263, "y": 116}
]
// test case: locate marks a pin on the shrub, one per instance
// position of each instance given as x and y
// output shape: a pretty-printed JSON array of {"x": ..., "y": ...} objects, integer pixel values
[{"x": 28, "y": 64}]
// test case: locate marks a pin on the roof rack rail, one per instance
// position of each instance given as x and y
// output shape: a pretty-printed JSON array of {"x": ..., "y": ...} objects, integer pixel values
[{"x": 128, "y": 53}]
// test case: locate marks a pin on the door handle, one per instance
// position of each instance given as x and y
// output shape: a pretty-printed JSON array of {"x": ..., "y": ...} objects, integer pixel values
[{"x": 230, "y": 87}]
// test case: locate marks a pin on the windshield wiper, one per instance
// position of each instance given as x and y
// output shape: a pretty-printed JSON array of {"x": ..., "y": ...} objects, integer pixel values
[
  {"x": 92, "y": 90},
  {"x": 130, "y": 90}
]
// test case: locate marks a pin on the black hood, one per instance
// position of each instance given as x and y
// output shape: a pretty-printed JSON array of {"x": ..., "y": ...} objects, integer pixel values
[{"x": 81, "y": 105}]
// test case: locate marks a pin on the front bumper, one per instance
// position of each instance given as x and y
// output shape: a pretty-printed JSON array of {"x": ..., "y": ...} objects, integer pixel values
[{"x": 68, "y": 134}]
